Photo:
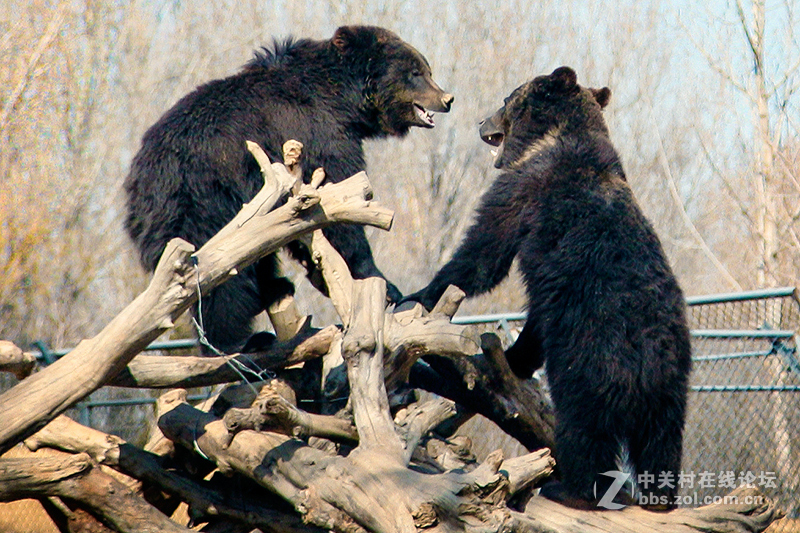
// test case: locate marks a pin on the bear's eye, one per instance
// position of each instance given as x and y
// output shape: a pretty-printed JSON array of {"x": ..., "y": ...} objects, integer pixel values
[{"x": 416, "y": 73}]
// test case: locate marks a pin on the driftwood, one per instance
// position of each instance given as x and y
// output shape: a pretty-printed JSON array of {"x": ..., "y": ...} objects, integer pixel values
[
  {"x": 275, "y": 409},
  {"x": 372, "y": 488},
  {"x": 756, "y": 515},
  {"x": 181, "y": 272}
]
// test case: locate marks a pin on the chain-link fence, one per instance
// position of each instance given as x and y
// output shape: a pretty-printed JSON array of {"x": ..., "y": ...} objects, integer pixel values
[
  {"x": 744, "y": 407},
  {"x": 743, "y": 416}
]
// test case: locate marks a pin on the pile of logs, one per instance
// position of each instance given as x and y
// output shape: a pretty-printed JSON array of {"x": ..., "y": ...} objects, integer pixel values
[{"x": 251, "y": 458}]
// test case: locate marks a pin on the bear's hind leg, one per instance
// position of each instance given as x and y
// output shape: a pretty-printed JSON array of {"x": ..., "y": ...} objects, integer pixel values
[
  {"x": 655, "y": 452},
  {"x": 584, "y": 453}
]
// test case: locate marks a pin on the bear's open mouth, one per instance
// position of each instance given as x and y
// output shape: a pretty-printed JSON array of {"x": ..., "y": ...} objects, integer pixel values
[
  {"x": 425, "y": 116},
  {"x": 494, "y": 139}
]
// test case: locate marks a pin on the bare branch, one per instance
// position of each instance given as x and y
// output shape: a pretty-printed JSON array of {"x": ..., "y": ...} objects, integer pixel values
[
  {"x": 673, "y": 189},
  {"x": 74, "y": 477},
  {"x": 153, "y": 371},
  {"x": 25, "y": 77},
  {"x": 65, "y": 434}
]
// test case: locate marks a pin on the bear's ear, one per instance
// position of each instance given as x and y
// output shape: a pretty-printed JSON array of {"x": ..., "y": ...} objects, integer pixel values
[
  {"x": 602, "y": 96},
  {"x": 563, "y": 79},
  {"x": 349, "y": 38}
]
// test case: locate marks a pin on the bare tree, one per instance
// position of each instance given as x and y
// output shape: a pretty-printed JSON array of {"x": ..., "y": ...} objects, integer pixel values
[{"x": 762, "y": 70}]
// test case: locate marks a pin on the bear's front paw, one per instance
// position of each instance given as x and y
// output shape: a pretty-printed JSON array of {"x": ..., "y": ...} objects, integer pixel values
[
  {"x": 557, "y": 492},
  {"x": 420, "y": 297},
  {"x": 393, "y": 294}
]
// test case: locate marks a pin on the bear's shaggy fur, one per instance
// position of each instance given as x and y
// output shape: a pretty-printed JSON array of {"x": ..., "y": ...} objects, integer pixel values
[
  {"x": 193, "y": 171},
  {"x": 605, "y": 313}
]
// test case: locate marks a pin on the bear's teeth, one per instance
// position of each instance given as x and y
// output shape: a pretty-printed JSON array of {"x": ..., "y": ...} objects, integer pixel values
[{"x": 424, "y": 115}]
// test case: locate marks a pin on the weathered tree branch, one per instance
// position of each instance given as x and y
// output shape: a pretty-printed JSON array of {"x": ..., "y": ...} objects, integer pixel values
[
  {"x": 361, "y": 491},
  {"x": 419, "y": 418},
  {"x": 151, "y": 371},
  {"x": 74, "y": 477},
  {"x": 66, "y": 434},
  {"x": 275, "y": 409},
  {"x": 754, "y": 516}
]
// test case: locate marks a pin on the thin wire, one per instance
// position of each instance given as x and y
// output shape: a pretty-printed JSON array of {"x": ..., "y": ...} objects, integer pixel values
[{"x": 235, "y": 364}]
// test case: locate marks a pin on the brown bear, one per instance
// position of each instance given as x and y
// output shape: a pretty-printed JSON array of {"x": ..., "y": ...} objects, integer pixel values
[
  {"x": 193, "y": 171},
  {"x": 605, "y": 313}
]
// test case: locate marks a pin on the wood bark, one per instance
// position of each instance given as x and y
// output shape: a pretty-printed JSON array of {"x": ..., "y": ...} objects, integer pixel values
[{"x": 180, "y": 275}]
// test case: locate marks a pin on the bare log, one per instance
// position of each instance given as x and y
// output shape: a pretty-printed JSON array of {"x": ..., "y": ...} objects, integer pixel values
[
  {"x": 41, "y": 397},
  {"x": 483, "y": 382},
  {"x": 286, "y": 318},
  {"x": 363, "y": 491},
  {"x": 151, "y": 371},
  {"x": 746, "y": 511},
  {"x": 275, "y": 409},
  {"x": 407, "y": 335},
  {"x": 18, "y": 476},
  {"x": 278, "y": 462},
  {"x": 205, "y": 499},
  {"x": 362, "y": 348},
  {"x": 157, "y": 443},
  {"x": 372, "y": 489},
  {"x": 180, "y": 275},
  {"x": 65, "y": 434},
  {"x": 69, "y": 518},
  {"x": 419, "y": 418}
]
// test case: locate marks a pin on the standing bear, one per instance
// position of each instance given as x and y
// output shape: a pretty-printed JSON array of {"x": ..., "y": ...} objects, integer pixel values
[
  {"x": 194, "y": 172},
  {"x": 605, "y": 314}
]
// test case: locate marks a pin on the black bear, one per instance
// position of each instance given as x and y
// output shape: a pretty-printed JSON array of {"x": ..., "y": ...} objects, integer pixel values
[
  {"x": 605, "y": 313},
  {"x": 193, "y": 171}
]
